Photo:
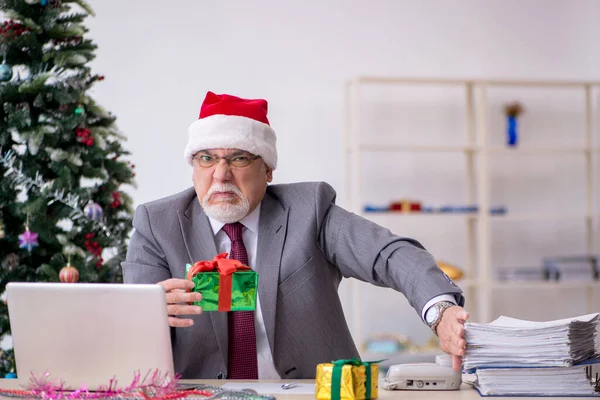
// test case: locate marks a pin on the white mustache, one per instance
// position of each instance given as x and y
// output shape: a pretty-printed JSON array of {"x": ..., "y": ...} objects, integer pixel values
[
  {"x": 224, "y": 187},
  {"x": 226, "y": 212}
]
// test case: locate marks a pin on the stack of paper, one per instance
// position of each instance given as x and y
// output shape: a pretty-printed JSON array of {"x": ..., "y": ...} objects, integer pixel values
[
  {"x": 510, "y": 342},
  {"x": 546, "y": 381},
  {"x": 515, "y": 357}
]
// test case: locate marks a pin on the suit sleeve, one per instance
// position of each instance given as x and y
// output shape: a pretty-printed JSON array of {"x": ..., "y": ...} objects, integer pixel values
[
  {"x": 371, "y": 253},
  {"x": 145, "y": 261}
]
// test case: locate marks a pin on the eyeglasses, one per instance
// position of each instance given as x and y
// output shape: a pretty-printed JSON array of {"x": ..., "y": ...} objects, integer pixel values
[{"x": 239, "y": 160}]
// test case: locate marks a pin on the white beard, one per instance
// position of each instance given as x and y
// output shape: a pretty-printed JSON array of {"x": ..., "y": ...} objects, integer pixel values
[{"x": 225, "y": 211}]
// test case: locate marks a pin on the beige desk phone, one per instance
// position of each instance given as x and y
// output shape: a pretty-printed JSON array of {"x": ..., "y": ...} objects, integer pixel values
[{"x": 423, "y": 376}]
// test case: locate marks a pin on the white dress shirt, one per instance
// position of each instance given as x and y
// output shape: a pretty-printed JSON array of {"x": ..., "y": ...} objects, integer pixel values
[{"x": 266, "y": 367}]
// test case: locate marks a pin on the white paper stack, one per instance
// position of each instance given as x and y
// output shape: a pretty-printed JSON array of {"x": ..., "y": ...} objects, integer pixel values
[
  {"x": 516, "y": 357},
  {"x": 510, "y": 342},
  {"x": 546, "y": 381}
]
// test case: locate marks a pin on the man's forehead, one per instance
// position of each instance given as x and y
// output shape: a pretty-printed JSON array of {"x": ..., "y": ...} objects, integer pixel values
[{"x": 224, "y": 151}]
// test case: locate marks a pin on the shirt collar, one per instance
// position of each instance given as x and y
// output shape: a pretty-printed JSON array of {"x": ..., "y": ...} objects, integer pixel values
[{"x": 250, "y": 221}]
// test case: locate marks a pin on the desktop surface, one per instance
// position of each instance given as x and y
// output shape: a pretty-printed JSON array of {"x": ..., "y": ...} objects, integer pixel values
[{"x": 465, "y": 393}]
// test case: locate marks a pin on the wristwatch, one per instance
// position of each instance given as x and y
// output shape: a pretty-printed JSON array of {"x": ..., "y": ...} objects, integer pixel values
[{"x": 433, "y": 316}]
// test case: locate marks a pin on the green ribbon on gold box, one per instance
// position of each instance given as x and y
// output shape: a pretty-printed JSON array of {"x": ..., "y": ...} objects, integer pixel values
[{"x": 351, "y": 379}]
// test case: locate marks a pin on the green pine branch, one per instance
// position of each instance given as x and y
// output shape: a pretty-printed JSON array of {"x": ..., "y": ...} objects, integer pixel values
[
  {"x": 76, "y": 18},
  {"x": 66, "y": 31},
  {"x": 83, "y": 4}
]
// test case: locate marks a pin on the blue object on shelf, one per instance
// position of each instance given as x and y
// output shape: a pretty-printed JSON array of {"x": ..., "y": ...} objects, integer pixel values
[
  {"x": 10, "y": 375},
  {"x": 498, "y": 210},
  {"x": 370, "y": 208},
  {"x": 512, "y": 131}
]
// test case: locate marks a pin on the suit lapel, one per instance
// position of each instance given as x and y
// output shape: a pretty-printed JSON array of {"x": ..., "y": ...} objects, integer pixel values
[
  {"x": 200, "y": 244},
  {"x": 271, "y": 238}
]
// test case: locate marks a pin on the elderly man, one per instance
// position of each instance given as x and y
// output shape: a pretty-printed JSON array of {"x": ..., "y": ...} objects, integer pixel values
[{"x": 294, "y": 236}]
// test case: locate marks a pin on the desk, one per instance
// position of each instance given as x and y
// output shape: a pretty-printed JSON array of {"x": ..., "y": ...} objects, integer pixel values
[{"x": 466, "y": 392}]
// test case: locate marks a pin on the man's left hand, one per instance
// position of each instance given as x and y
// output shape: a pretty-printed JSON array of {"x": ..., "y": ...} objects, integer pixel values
[{"x": 451, "y": 333}]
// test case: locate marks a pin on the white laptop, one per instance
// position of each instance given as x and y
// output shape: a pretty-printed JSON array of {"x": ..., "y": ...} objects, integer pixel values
[{"x": 86, "y": 334}]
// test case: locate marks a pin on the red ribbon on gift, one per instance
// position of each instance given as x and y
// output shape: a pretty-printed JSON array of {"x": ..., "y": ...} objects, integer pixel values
[{"x": 226, "y": 267}]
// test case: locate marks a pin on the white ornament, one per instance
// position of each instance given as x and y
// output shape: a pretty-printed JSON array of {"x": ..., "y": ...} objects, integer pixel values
[{"x": 93, "y": 211}]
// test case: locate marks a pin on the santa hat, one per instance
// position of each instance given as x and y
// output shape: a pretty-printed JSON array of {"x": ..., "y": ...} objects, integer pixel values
[{"x": 230, "y": 122}]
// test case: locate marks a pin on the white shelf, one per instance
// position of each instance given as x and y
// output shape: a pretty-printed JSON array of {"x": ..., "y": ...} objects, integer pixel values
[
  {"x": 401, "y": 214},
  {"x": 546, "y": 285},
  {"x": 509, "y": 217},
  {"x": 470, "y": 149},
  {"x": 473, "y": 82},
  {"x": 537, "y": 217},
  {"x": 537, "y": 150},
  {"x": 415, "y": 148},
  {"x": 467, "y": 283},
  {"x": 479, "y": 234},
  {"x": 474, "y": 283}
]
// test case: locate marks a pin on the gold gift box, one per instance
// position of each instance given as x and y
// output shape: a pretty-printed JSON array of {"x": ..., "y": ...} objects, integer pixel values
[{"x": 353, "y": 384}]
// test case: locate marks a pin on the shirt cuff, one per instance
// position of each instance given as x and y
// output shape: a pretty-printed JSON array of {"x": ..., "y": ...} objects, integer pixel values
[{"x": 442, "y": 297}]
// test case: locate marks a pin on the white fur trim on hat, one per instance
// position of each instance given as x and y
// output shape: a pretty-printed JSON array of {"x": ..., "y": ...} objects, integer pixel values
[{"x": 232, "y": 132}]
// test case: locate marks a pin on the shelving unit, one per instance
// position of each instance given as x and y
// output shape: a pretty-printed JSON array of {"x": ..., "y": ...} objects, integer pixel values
[{"x": 477, "y": 154}]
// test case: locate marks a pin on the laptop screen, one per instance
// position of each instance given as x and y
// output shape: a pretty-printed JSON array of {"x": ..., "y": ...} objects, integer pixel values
[{"x": 86, "y": 334}]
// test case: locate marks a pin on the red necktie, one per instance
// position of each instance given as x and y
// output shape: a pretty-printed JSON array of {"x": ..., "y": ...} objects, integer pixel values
[{"x": 242, "y": 338}]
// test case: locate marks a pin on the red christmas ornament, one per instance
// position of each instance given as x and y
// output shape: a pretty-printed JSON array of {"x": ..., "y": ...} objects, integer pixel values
[
  {"x": 94, "y": 248},
  {"x": 84, "y": 135},
  {"x": 69, "y": 274},
  {"x": 11, "y": 29},
  {"x": 116, "y": 200}
]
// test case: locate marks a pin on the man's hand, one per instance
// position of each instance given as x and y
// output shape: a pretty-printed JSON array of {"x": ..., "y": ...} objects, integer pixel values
[
  {"x": 177, "y": 297},
  {"x": 451, "y": 333}
]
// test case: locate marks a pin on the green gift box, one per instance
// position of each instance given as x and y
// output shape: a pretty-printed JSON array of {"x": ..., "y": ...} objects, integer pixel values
[{"x": 225, "y": 284}]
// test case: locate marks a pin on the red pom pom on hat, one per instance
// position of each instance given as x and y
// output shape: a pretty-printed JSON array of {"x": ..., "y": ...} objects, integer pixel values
[{"x": 231, "y": 122}]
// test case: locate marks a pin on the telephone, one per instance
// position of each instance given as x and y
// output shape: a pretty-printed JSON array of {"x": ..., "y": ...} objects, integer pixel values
[{"x": 423, "y": 376}]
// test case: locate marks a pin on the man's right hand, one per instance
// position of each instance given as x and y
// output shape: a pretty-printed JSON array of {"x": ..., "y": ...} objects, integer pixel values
[{"x": 177, "y": 299}]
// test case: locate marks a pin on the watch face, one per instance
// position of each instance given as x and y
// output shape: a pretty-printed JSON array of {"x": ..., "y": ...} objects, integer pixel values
[{"x": 431, "y": 315}]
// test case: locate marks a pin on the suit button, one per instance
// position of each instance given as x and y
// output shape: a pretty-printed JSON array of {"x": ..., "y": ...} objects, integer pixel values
[{"x": 220, "y": 375}]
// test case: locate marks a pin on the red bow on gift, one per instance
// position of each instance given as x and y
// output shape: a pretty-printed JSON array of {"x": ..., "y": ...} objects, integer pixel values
[{"x": 226, "y": 267}]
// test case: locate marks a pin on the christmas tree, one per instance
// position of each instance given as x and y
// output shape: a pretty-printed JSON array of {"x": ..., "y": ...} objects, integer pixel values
[{"x": 64, "y": 215}]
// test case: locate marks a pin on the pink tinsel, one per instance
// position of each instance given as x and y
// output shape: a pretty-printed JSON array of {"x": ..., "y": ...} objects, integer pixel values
[{"x": 154, "y": 385}]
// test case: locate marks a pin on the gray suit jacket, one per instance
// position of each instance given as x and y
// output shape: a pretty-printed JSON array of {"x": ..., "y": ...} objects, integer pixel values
[{"x": 306, "y": 244}]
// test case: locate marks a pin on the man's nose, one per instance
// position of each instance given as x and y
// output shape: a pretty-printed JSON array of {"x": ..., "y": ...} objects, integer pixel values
[{"x": 222, "y": 171}]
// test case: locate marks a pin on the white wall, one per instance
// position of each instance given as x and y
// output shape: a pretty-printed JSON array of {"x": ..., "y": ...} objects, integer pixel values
[
  {"x": 159, "y": 61},
  {"x": 159, "y": 64}
]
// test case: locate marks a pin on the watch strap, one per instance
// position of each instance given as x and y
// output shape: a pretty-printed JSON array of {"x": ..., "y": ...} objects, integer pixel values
[{"x": 441, "y": 307}]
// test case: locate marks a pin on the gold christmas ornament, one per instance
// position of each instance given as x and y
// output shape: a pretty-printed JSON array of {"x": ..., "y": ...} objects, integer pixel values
[
  {"x": 69, "y": 274},
  {"x": 452, "y": 271}
]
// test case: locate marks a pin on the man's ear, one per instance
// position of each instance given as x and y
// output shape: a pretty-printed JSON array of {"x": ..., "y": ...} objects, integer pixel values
[{"x": 269, "y": 175}]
